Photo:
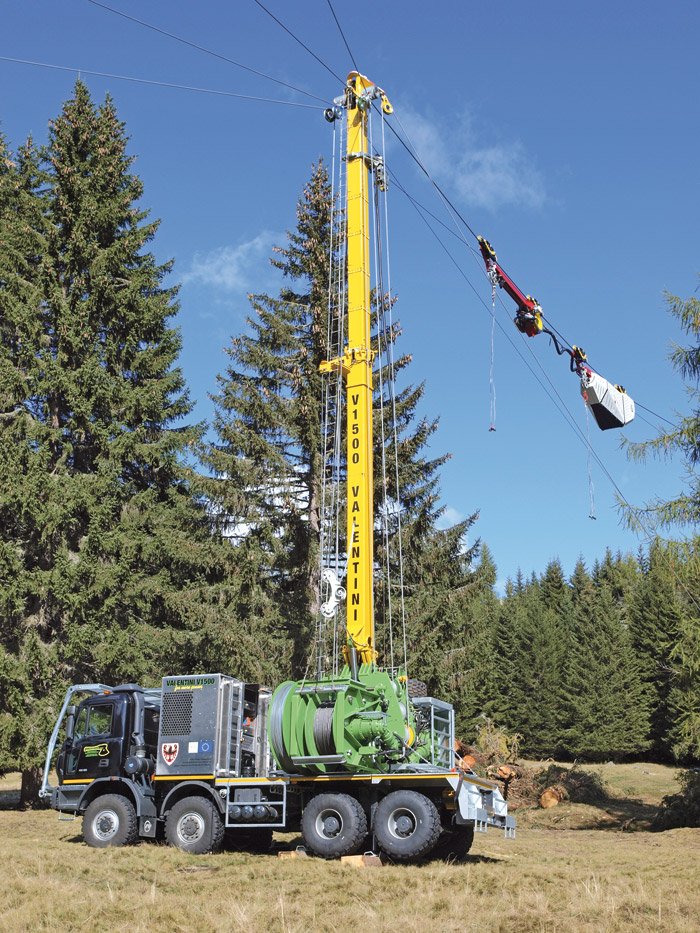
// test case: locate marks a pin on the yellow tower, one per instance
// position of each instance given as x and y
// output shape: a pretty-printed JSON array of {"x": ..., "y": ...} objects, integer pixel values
[{"x": 356, "y": 364}]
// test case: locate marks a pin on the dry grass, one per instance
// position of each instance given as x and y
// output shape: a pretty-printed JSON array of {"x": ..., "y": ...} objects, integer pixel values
[{"x": 554, "y": 878}]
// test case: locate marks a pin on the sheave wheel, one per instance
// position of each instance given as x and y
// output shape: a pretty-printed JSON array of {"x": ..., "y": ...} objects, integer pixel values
[
  {"x": 333, "y": 825},
  {"x": 194, "y": 825},
  {"x": 110, "y": 821},
  {"x": 406, "y": 825},
  {"x": 453, "y": 846}
]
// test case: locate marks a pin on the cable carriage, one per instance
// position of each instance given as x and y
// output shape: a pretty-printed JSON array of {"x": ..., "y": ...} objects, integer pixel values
[{"x": 609, "y": 404}]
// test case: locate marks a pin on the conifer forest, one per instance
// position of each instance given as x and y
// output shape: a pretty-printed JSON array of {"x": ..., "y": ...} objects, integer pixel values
[{"x": 135, "y": 542}]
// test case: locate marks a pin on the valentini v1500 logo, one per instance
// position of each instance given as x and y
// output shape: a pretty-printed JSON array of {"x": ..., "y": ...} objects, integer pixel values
[
  {"x": 169, "y": 751},
  {"x": 189, "y": 683}
]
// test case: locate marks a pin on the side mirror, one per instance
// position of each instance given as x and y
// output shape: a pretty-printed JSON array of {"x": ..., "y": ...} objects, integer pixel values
[{"x": 70, "y": 722}]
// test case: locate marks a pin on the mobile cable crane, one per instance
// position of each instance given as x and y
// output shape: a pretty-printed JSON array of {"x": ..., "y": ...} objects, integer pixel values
[{"x": 346, "y": 757}]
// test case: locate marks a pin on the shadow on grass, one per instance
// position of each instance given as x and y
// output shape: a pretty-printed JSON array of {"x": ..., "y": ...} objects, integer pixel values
[
  {"x": 10, "y": 800},
  {"x": 474, "y": 859},
  {"x": 612, "y": 814},
  {"x": 297, "y": 842},
  {"x": 621, "y": 814},
  {"x": 585, "y": 802}
]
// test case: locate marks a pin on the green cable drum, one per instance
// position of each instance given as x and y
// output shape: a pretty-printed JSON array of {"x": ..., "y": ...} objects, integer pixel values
[
  {"x": 344, "y": 724},
  {"x": 275, "y": 725}
]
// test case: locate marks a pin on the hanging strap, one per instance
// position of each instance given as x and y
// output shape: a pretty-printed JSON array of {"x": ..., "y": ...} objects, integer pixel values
[
  {"x": 492, "y": 384},
  {"x": 591, "y": 491}
]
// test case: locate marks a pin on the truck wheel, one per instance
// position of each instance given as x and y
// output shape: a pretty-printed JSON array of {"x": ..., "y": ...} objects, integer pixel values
[
  {"x": 110, "y": 821},
  {"x": 406, "y": 825},
  {"x": 194, "y": 825},
  {"x": 333, "y": 825},
  {"x": 453, "y": 845}
]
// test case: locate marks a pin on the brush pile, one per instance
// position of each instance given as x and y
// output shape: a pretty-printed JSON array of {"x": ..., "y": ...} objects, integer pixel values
[
  {"x": 545, "y": 787},
  {"x": 683, "y": 808}
]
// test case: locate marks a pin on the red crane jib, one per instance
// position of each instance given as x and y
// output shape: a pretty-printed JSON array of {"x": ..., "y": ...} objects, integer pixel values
[{"x": 528, "y": 320}]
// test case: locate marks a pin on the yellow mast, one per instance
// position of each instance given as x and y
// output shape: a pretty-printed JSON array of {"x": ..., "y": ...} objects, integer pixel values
[{"x": 356, "y": 365}]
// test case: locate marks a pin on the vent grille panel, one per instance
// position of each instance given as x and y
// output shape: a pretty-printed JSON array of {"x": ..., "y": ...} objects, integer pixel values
[{"x": 176, "y": 714}]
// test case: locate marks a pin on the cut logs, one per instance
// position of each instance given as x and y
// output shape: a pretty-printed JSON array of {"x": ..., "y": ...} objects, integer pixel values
[
  {"x": 466, "y": 763},
  {"x": 464, "y": 759},
  {"x": 507, "y": 772},
  {"x": 552, "y": 797},
  {"x": 523, "y": 786}
]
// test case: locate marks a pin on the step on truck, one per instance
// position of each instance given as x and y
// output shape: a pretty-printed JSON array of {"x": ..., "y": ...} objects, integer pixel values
[{"x": 209, "y": 759}]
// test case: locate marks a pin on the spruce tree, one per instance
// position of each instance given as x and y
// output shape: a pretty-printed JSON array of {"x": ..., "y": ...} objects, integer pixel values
[
  {"x": 542, "y": 632},
  {"x": 556, "y": 592},
  {"x": 684, "y": 656},
  {"x": 606, "y": 702},
  {"x": 499, "y": 702},
  {"x": 440, "y": 590},
  {"x": 27, "y": 660},
  {"x": 619, "y": 573},
  {"x": 655, "y": 620},
  {"x": 682, "y": 511},
  {"x": 439, "y": 580},
  {"x": 268, "y": 460},
  {"x": 108, "y": 549},
  {"x": 474, "y": 689}
]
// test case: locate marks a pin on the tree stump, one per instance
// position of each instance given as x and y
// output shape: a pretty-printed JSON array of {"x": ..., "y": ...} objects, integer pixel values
[{"x": 31, "y": 783}]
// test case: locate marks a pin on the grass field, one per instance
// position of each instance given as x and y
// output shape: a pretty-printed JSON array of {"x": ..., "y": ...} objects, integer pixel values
[{"x": 571, "y": 869}]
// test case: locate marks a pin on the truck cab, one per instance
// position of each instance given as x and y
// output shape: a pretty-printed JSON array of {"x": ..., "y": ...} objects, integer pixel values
[
  {"x": 110, "y": 737},
  {"x": 96, "y": 748}
]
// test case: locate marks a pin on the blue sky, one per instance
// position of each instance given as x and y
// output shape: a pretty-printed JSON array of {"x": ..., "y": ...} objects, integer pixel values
[{"x": 567, "y": 134}]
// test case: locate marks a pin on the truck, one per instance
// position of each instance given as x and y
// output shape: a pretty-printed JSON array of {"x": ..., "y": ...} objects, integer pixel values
[
  {"x": 203, "y": 761},
  {"x": 357, "y": 756}
]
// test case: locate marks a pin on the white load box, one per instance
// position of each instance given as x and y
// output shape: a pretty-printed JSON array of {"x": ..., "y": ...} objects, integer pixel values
[{"x": 610, "y": 407}]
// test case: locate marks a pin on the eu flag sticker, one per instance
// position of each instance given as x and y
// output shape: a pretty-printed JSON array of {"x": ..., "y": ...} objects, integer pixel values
[{"x": 205, "y": 747}]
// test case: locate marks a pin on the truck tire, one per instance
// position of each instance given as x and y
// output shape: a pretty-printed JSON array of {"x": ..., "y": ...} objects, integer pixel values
[
  {"x": 417, "y": 688},
  {"x": 110, "y": 821},
  {"x": 406, "y": 825},
  {"x": 333, "y": 825},
  {"x": 194, "y": 825},
  {"x": 454, "y": 845}
]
